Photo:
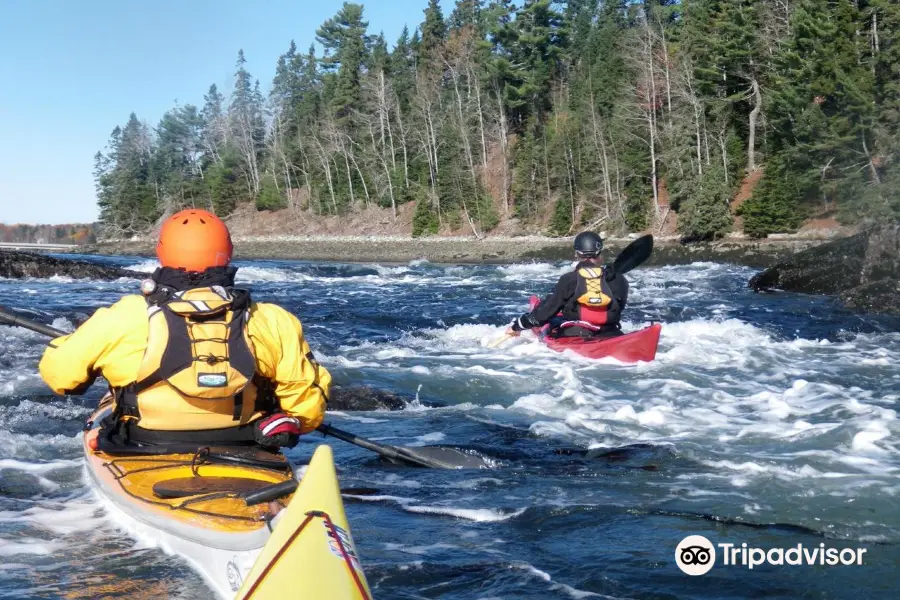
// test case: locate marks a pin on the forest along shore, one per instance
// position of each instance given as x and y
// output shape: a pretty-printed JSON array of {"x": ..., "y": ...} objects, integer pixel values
[{"x": 397, "y": 249}]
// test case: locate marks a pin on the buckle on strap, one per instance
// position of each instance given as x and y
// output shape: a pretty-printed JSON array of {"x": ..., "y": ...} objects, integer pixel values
[
  {"x": 126, "y": 402},
  {"x": 238, "y": 406}
]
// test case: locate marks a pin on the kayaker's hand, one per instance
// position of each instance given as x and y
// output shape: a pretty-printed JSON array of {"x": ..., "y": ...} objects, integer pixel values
[
  {"x": 277, "y": 430},
  {"x": 512, "y": 332}
]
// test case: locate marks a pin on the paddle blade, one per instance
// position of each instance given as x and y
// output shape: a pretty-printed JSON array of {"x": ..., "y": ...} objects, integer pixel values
[
  {"x": 633, "y": 255},
  {"x": 448, "y": 458},
  {"x": 497, "y": 342}
]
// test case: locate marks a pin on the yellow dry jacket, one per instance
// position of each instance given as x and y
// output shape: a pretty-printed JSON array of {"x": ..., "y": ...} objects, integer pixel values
[{"x": 193, "y": 363}]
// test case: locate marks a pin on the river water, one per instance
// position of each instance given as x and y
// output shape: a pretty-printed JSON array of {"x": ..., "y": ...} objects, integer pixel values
[{"x": 766, "y": 420}]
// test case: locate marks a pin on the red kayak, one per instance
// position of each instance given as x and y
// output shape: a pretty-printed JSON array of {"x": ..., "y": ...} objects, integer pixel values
[{"x": 632, "y": 347}]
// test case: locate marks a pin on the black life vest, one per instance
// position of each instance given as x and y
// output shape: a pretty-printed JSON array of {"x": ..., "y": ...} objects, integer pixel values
[{"x": 199, "y": 370}]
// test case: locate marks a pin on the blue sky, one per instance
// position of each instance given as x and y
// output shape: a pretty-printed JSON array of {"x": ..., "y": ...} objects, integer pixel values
[{"x": 72, "y": 70}]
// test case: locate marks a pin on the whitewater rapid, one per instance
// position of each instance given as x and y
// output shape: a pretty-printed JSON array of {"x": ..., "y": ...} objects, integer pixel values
[{"x": 759, "y": 409}]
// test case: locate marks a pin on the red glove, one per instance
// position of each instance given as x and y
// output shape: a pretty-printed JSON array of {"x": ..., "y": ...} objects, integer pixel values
[{"x": 276, "y": 430}]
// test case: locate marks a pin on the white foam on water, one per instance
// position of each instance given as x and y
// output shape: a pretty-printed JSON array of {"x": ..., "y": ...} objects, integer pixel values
[
  {"x": 717, "y": 380},
  {"x": 531, "y": 272},
  {"x": 419, "y": 549},
  {"x": 556, "y": 586},
  {"x": 34, "y": 546},
  {"x": 478, "y": 482},
  {"x": 74, "y": 515},
  {"x": 345, "y": 361},
  {"x": 40, "y": 467},
  {"x": 251, "y": 274},
  {"x": 355, "y": 417},
  {"x": 391, "y": 271},
  {"x": 34, "y": 446},
  {"x": 147, "y": 266},
  {"x": 479, "y": 515},
  {"x": 381, "y": 498}
]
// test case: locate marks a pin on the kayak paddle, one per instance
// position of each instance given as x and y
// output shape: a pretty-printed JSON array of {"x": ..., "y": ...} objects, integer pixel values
[
  {"x": 632, "y": 256},
  {"x": 433, "y": 457},
  {"x": 500, "y": 340},
  {"x": 12, "y": 319}
]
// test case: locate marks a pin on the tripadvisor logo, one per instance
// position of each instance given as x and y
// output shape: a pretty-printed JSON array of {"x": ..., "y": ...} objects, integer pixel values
[{"x": 696, "y": 555}]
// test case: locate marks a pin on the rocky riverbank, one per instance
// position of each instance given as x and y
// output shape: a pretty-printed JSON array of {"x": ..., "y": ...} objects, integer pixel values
[
  {"x": 19, "y": 265},
  {"x": 863, "y": 270},
  {"x": 390, "y": 249}
]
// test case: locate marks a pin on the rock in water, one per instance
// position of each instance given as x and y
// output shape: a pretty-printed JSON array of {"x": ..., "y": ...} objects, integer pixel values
[
  {"x": 17, "y": 265},
  {"x": 364, "y": 398},
  {"x": 863, "y": 270}
]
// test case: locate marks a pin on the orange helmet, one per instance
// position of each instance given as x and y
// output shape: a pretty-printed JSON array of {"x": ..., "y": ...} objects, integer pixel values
[{"x": 194, "y": 240}]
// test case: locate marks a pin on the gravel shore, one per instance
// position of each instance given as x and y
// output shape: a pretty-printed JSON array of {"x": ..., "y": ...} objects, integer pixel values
[{"x": 397, "y": 249}]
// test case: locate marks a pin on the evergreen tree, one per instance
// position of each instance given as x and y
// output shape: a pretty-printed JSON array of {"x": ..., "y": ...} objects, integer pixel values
[
  {"x": 345, "y": 42},
  {"x": 434, "y": 32},
  {"x": 706, "y": 214},
  {"x": 403, "y": 69},
  {"x": 774, "y": 206},
  {"x": 820, "y": 107},
  {"x": 563, "y": 114},
  {"x": 466, "y": 13}
]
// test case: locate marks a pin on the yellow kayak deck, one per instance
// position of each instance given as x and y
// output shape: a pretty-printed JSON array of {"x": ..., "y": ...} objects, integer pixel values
[
  {"x": 299, "y": 545},
  {"x": 207, "y": 504}
]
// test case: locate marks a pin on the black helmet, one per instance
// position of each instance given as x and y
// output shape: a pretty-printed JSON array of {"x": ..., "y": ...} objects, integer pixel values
[{"x": 588, "y": 244}]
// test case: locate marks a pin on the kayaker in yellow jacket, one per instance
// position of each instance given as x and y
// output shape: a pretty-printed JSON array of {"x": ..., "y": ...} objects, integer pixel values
[{"x": 193, "y": 359}]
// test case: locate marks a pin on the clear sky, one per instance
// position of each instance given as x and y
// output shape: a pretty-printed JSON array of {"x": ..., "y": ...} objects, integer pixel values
[{"x": 71, "y": 70}]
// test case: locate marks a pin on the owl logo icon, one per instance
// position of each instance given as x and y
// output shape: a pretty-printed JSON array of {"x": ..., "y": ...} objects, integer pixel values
[{"x": 695, "y": 555}]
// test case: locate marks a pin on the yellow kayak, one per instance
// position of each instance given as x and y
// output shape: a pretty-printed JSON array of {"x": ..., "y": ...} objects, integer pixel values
[{"x": 194, "y": 503}]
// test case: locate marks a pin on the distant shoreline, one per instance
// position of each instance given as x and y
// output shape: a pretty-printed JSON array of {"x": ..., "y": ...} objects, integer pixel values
[{"x": 494, "y": 250}]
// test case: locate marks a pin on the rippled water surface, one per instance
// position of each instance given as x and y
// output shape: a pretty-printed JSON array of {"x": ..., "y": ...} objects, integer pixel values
[{"x": 769, "y": 420}]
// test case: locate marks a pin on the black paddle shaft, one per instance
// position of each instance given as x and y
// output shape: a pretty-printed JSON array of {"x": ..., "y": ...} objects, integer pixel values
[
  {"x": 401, "y": 454},
  {"x": 12, "y": 319},
  {"x": 632, "y": 256}
]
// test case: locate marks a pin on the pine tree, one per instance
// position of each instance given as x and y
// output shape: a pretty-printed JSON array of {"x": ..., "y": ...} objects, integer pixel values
[
  {"x": 882, "y": 21},
  {"x": 130, "y": 193},
  {"x": 774, "y": 206},
  {"x": 434, "y": 32},
  {"x": 345, "y": 41},
  {"x": 466, "y": 13},
  {"x": 403, "y": 69},
  {"x": 821, "y": 105},
  {"x": 706, "y": 215}
]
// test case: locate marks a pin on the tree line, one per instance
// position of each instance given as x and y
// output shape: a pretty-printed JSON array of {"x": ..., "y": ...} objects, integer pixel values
[
  {"x": 582, "y": 113},
  {"x": 47, "y": 234}
]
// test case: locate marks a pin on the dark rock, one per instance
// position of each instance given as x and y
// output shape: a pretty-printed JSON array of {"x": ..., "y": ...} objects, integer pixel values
[
  {"x": 882, "y": 296},
  {"x": 16, "y": 265},
  {"x": 863, "y": 270},
  {"x": 364, "y": 398}
]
